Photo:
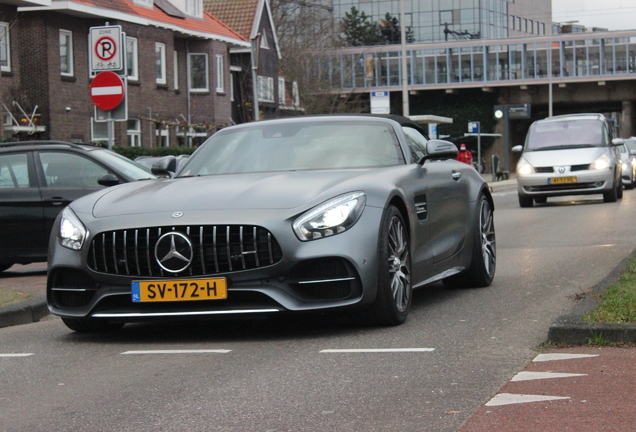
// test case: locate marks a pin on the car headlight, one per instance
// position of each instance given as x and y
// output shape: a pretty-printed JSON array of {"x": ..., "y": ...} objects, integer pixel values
[
  {"x": 331, "y": 217},
  {"x": 524, "y": 168},
  {"x": 624, "y": 166},
  {"x": 600, "y": 163},
  {"x": 72, "y": 231}
]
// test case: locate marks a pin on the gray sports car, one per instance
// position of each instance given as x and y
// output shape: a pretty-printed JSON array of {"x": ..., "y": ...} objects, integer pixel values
[{"x": 294, "y": 215}]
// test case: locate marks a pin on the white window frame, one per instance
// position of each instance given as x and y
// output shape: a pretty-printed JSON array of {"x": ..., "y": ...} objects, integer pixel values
[
  {"x": 207, "y": 74},
  {"x": 220, "y": 73},
  {"x": 295, "y": 94},
  {"x": 265, "y": 88},
  {"x": 281, "y": 91},
  {"x": 175, "y": 60},
  {"x": 164, "y": 135},
  {"x": 106, "y": 125},
  {"x": 134, "y": 135},
  {"x": 5, "y": 47},
  {"x": 160, "y": 62},
  {"x": 132, "y": 58},
  {"x": 264, "y": 42},
  {"x": 145, "y": 3},
  {"x": 69, "y": 55},
  {"x": 194, "y": 8}
]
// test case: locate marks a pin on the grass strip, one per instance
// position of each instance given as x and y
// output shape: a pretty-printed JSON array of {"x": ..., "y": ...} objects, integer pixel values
[
  {"x": 8, "y": 298},
  {"x": 618, "y": 303}
]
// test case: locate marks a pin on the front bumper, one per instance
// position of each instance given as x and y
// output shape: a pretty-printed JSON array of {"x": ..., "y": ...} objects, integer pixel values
[{"x": 547, "y": 184}]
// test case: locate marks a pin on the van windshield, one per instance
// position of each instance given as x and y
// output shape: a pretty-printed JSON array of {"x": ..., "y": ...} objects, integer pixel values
[{"x": 554, "y": 135}]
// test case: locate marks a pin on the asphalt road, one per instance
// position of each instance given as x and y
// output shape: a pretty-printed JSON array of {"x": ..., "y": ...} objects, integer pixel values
[{"x": 457, "y": 349}]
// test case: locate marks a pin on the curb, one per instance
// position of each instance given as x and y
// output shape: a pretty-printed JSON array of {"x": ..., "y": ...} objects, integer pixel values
[
  {"x": 569, "y": 329},
  {"x": 24, "y": 313}
]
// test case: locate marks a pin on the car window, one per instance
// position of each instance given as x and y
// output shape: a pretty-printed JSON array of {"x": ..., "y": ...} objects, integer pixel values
[
  {"x": 567, "y": 133},
  {"x": 289, "y": 146},
  {"x": 14, "y": 171},
  {"x": 70, "y": 170},
  {"x": 124, "y": 165},
  {"x": 416, "y": 142}
]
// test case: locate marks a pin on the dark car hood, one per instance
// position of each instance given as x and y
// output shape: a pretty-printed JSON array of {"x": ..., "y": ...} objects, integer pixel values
[{"x": 229, "y": 192}]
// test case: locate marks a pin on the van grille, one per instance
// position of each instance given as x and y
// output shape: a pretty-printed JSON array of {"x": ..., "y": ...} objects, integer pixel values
[{"x": 216, "y": 249}]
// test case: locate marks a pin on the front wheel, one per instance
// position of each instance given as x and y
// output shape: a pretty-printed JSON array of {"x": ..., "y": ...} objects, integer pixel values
[
  {"x": 484, "y": 256},
  {"x": 394, "y": 292},
  {"x": 611, "y": 195},
  {"x": 525, "y": 201}
]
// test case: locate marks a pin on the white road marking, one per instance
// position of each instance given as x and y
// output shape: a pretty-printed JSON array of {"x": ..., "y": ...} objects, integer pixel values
[
  {"x": 217, "y": 351},
  {"x": 529, "y": 376},
  {"x": 552, "y": 357},
  {"x": 17, "y": 355},
  {"x": 381, "y": 350},
  {"x": 510, "y": 399}
]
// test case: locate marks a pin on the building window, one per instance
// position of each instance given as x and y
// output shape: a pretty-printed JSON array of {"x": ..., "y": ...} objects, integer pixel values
[
  {"x": 146, "y": 3},
  {"x": 194, "y": 8},
  {"x": 264, "y": 41},
  {"x": 160, "y": 61},
  {"x": 281, "y": 91},
  {"x": 66, "y": 53},
  {"x": 198, "y": 77},
  {"x": 220, "y": 73},
  {"x": 134, "y": 133},
  {"x": 5, "y": 47},
  {"x": 175, "y": 61},
  {"x": 163, "y": 137},
  {"x": 542, "y": 28},
  {"x": 295, "y": 94},
  {"x": 265, "y": 89},
  {"x": 99, "y": 130},
  {"x": 132, "y": 64}
]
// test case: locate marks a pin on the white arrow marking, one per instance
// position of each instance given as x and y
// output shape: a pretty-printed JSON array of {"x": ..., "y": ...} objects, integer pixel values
[
  {"x": 17, "y": 355},
  {"x": 509, "y": 399},
  {"x": 551, "y": 357},
  {"x": 372, "y": 350},
  {"x": 105, "y": 91},
  {"x": 528, "y": 376},
  {"x": 219, "y": 351}
]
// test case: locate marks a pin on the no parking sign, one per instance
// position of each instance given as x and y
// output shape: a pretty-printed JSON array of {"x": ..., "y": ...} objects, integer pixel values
[{"x": 106, "y": 48}]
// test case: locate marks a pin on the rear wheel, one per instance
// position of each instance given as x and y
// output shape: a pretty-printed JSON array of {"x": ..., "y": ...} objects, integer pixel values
[
  {"x": 611, "y": 195},
  {"x": 525, "y": 201},
  {"x": 87, "y": 325},
  {"x": 619, "y": 189},
  {"x": 484, "y": 258},
  {"x": 394, "y": 292}
]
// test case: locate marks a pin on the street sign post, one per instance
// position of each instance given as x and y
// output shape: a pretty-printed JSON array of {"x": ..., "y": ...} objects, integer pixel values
[
  {"x": 107, "y": 92},
  {"x": 474, "y": 128},
  {"x": 106, "y": 48}
]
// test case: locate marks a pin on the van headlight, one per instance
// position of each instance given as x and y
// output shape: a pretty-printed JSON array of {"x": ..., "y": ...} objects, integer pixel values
[
  {"x": 332, "y": 217},
  {"x": 72, "y": 231},
  {"x": 600, "y": 163},
  {"x": 524, "y": 168}
]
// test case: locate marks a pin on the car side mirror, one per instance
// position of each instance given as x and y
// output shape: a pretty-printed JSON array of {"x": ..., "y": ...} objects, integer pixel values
[
  {"x": 439, "y": 150},
  {"x": 517, "y": 149},
  {"x": 108, "y": 180},
  {"x": 617, "y": 141},
  {"x": 165, "y": 167}
]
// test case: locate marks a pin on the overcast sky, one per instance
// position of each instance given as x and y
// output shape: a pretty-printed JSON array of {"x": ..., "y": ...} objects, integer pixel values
[{"x": 610, "y": 14}]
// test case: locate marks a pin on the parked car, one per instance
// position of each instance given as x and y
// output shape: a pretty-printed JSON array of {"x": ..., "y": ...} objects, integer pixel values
[
  {"x": 628, "y": 165},
  {"x": 569, "y": 155},
  {"x": 291, "y": 215},
  {"x": 38, "y": 179},
  {"x": 173, "y": 164}
]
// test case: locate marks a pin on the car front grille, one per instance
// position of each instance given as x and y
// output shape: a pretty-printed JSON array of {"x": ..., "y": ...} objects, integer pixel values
[
  {"x": 215, "y": 249},
  {"x": 561, "y": 187}
]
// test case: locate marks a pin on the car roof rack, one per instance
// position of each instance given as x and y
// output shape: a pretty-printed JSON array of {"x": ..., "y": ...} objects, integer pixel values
[{"x": 41, "y": 142}]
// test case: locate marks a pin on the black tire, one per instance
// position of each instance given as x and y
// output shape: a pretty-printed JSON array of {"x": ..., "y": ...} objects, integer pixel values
[
  {"x": 541, "y": 200},
  {"x": 619, "y": 189},
  {"x": 394, "y": 292},
  {"x": 525, "y": 201},
  {"x": 87, "y": 325},
  {"x": 484, "y": 257},
  {"x": 611, "y": 195}
]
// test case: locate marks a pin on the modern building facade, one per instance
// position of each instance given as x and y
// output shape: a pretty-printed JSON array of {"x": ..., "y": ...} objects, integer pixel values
[{"x": 450, "y": 20}]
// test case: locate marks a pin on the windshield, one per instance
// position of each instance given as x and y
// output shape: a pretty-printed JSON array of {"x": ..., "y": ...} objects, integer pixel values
[
  {"x": 566, "y": 134},
  {"x": 124, "y": 165},
  {"x": 631, "y": 145},
  {"x": 290, "y": 146}
]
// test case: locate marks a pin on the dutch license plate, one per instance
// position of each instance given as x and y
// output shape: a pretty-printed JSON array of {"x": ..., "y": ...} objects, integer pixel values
[
  {"x": 179, "y": 290},
  {"x": 560, "y": 180}
]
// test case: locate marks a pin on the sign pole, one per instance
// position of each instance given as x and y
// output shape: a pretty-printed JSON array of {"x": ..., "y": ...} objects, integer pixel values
[
  {"x": 109, "y": 124},
  {"x": 479, "y": 146}
]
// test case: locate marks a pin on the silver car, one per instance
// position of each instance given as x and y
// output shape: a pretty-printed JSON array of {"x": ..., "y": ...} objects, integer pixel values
[
  {"x": 569, "y": 155},
  {"x": 628, "y": 164}
]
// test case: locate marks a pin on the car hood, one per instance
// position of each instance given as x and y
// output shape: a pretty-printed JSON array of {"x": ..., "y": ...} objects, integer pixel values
[
  {"x": 228, "y": 192},
  {"x": 566, "y": 157}
]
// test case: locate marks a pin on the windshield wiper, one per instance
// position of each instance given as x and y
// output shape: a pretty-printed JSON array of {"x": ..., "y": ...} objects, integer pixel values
[{"x": 565, "y": 146}]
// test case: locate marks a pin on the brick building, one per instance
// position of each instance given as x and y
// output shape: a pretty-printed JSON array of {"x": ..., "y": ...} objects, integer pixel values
[{"x": 177, "y": 70}]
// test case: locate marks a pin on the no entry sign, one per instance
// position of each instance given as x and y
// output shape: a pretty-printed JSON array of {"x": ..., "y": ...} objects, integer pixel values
[{"x": 107, "y": 90}]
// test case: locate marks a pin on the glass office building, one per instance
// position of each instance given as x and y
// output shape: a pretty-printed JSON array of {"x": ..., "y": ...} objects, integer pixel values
[{"x": 452, "y": 20}]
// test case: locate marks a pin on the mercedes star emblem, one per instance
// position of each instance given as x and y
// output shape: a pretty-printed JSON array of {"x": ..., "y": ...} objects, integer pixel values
[{"x": 173, "y": 252}]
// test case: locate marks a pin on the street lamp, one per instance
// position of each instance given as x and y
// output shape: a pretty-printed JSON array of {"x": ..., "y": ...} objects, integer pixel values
[{"x": 405, "y": 90}]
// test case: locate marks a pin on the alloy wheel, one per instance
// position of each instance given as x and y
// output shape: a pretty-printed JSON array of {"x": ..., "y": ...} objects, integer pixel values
[
  {"x": 399, "y": 264},
  {"x": 487, "y": 234}
]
